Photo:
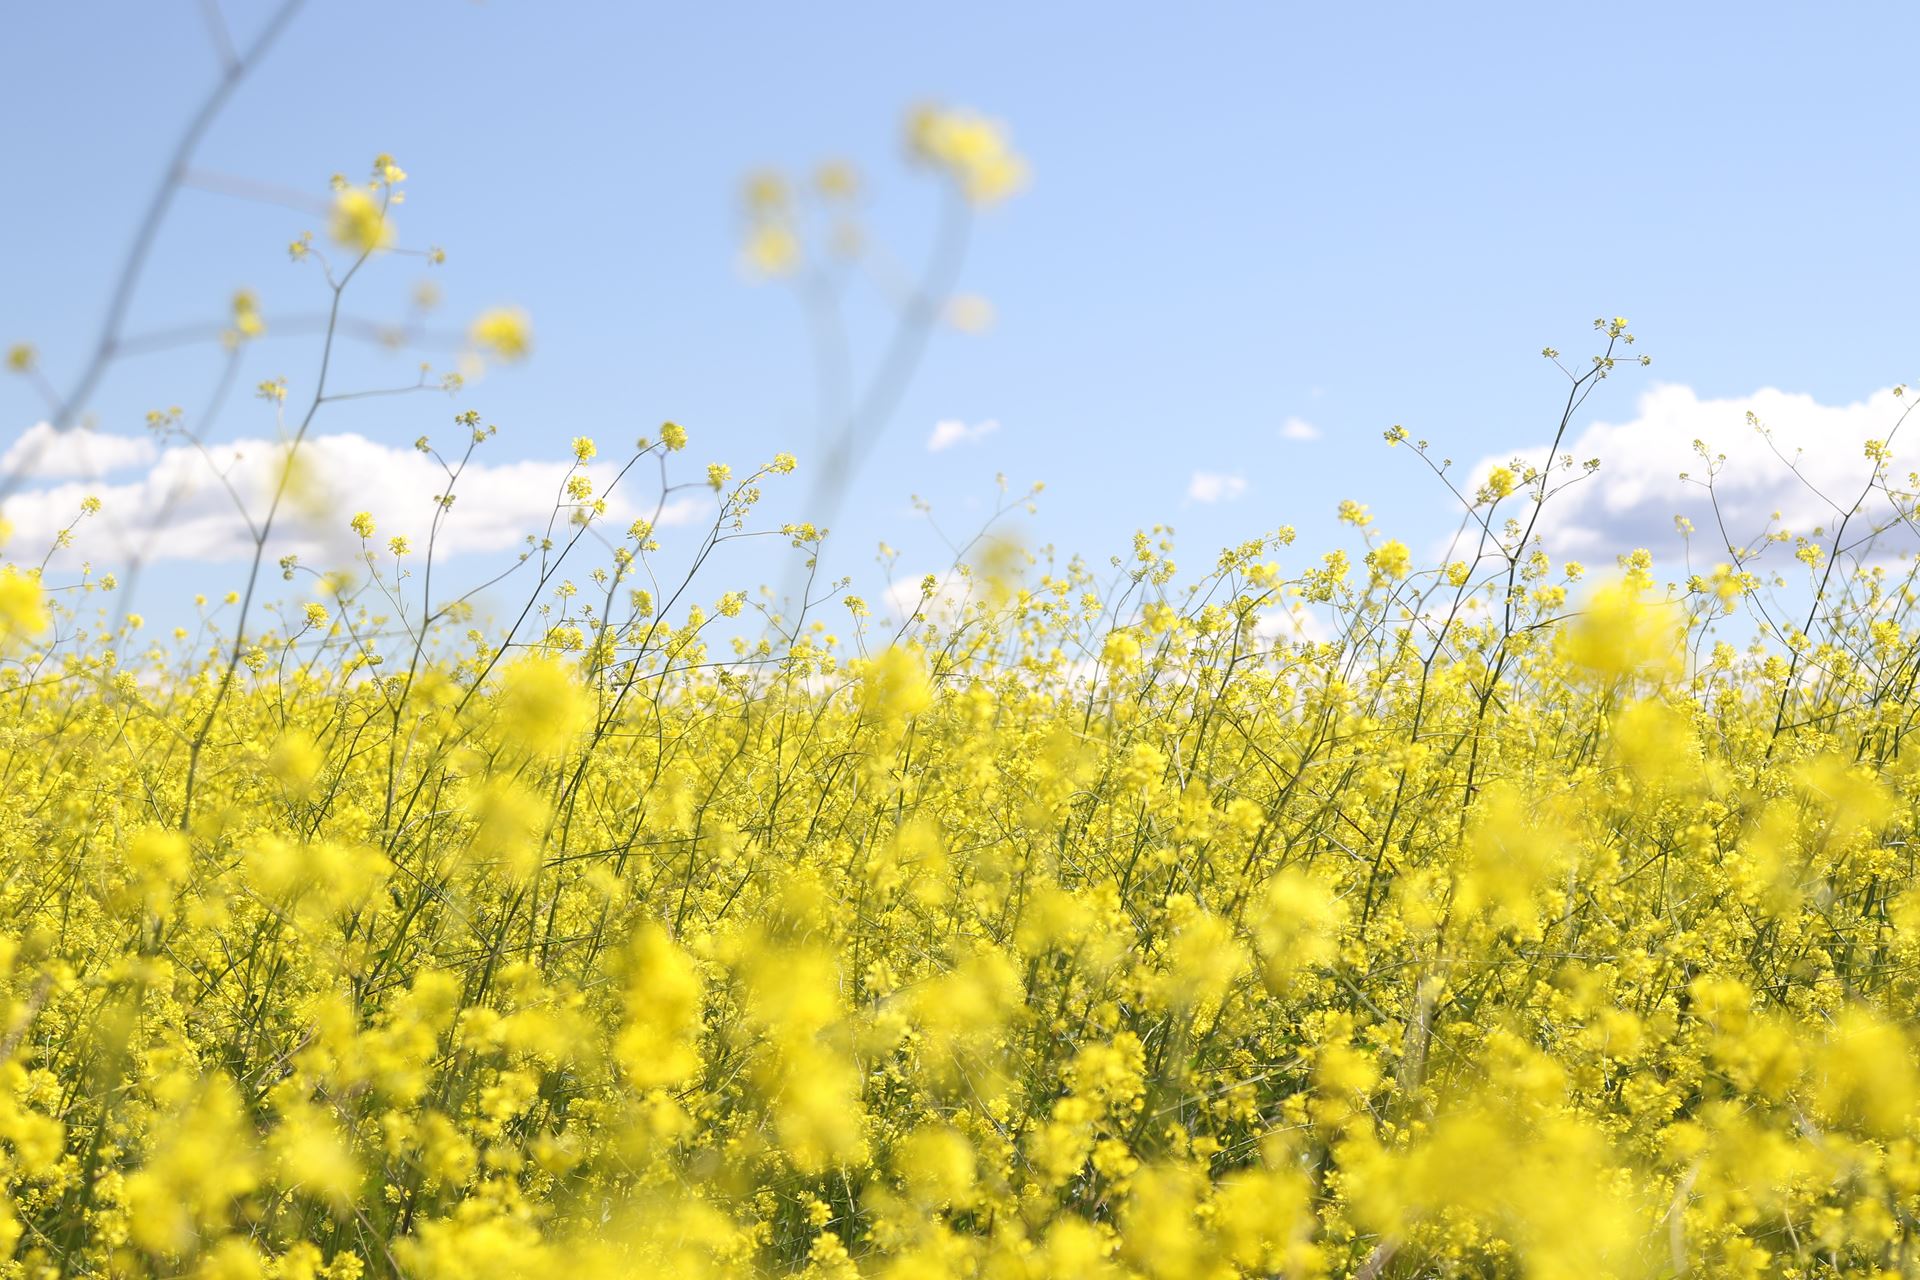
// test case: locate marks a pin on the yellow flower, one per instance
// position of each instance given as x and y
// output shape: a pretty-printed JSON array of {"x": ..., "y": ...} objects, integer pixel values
[
  {"x": 895, "y": 684},
  {"x": 1621, "y": 633},
  {"x": 970, "y": 148},
  {"x": 772, "y": 249},
  {"x": 542, "y": 705},
  {"x": 360, "y": 222},
  {"x": 247, "y": 321},
  {"x": 1391, "y": 560},
  {"x": 313, "y": 1157},
  {"x": 970, "y": 313},
  {"x": 837, "y": 180},
  {"x": 504, "y": 331},
  {"x": 659, "y": 1044},
  {"x": 765, "y": 194},
  {"x": 23, "y": 607}
]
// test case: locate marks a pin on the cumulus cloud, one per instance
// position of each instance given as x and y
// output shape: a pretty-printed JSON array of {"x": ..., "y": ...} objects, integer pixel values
[
  {"x": 46, "y": 453},
  {"x": 951, "y": 431},
  {"x": 1298, "y": 429},
  {"x": 1633, "y": 499},
  {"x": 176, "y": 503},
  {"x": 1215, "y": 486}
]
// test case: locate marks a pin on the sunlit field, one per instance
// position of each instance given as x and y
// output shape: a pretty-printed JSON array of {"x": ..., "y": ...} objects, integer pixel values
[{"x": 1396, "y": 907}]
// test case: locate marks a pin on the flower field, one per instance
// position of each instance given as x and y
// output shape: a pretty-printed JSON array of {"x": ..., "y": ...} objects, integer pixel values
[
  {"x": 1082, "y": 927},
  {"x": 1401, "y": 908}
]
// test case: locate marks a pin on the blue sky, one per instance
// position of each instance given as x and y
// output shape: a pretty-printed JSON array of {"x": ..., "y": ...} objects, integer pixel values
[{"x": 1238, "y": 215}]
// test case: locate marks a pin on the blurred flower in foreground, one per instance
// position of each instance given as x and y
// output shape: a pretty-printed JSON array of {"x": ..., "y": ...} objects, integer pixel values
[
  {"x": 505, "y": 332},
  {"x": 970, "y": 313},
  {"x": 360, "y": 221},
  {"x": 971, "y": 148},
  {"x": 837, "y": 180},
  {"x": 772, "y": 245},
  {"x": 772, "y": 249},
  {"x": 1621, "y": 633},
  {"x": 248, "y": 323},
  {"x": 23, "y": 609}
]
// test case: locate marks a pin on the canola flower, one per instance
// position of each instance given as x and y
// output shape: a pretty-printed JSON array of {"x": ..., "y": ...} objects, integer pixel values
[
  {"x": 970, "y": 148},
  {"x": 964, "y": 148},
  {"x": 504, "y": 332},
  {"x": 359, "y": 221}
]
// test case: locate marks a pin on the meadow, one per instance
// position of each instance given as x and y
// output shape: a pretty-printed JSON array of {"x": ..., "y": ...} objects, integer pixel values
[{"x": 1089, "y": 920}]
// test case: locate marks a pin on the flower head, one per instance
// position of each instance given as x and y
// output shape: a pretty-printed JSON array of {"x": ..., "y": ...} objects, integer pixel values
[
  {"x": 970, "y": 149},
  {"x": 504, "y": 331},
  {"x": 360, "y": 221}
]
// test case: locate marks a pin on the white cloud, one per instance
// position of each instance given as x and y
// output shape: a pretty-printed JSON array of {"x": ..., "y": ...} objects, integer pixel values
[
  {"x": 1298, "y": 429},
  {"x": 904, "y": 597},
  {"x": 1633, "y": 499},
  {"x": 1295, "y": 622},
  {"x": 47, "y": 453},
  {"x": 1215, "y": 486},
  {"x": 951, "y": 431},
  {"x": 180, "y": 509}
]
